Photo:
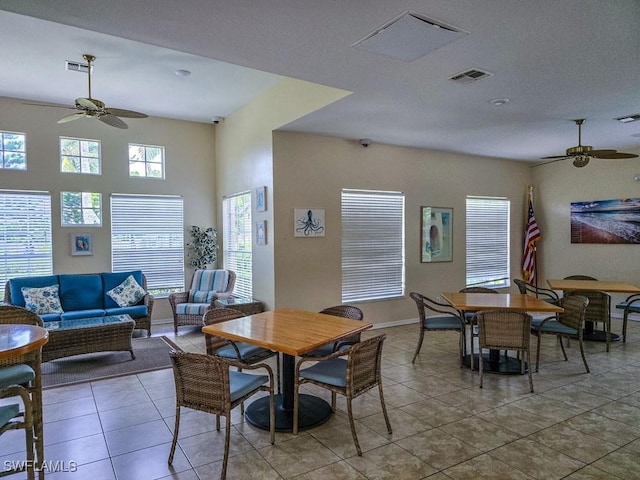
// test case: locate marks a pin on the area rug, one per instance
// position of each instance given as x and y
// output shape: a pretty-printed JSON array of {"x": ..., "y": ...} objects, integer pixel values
[{"x": 151, "y": 354}]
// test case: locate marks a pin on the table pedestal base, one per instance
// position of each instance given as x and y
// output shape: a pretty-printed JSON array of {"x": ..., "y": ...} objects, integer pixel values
[
  {"x": 313, "y": 411},
  {"x": 599, "y": 336},
  {"x": 496, "y": 364}
]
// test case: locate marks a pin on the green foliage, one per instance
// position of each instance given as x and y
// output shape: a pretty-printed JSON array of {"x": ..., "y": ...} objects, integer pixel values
[{"x": 202, "y": 250}]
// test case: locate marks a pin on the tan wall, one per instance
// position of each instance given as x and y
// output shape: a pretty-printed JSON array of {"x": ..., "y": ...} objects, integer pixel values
[
  {"x": 561, "y": 183},
  {"x": 311, "y": 171},
  {"x": 189, "y": 157},
  {"x": 245, "y": 161}
]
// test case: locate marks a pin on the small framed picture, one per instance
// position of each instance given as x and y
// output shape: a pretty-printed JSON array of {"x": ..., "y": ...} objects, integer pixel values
[
  {"x": 308, "y": 222},
  {"x": 261, "y": 199},
  {"x": 261, "y": 232},
  {"x": 81, "y": 244},
  {"x": 436, "y": 238}
]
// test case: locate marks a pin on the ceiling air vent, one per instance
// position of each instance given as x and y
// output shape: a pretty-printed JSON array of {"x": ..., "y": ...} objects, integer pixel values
[
  {"x": 76, "y": 67},
  {"x": 470, "y": 76}
]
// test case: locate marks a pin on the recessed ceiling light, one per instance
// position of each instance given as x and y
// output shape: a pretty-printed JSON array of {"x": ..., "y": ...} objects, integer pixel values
[
  {"x": 183, "y": 73},
  {"x": 498, "y": 102}
]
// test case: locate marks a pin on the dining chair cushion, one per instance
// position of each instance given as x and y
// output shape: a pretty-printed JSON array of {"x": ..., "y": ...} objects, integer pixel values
[
  {"x": 241, "y": 384},
  {"x": 7, "y": 412},
  {"x": 635, "y": 308},
  {"x": 246, "y": 351},
  {"x": 332, "y": 372},
  {"x": 18, "y": 374},
  {"x": 553, "y": 326},
  {"x": 321, "y": 351},
  {"x": 445, "y": 323}
]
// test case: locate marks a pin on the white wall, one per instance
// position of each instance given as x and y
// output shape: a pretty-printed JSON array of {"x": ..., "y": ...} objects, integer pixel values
[
  {"x": 190, "y": 172},
  {"x": 311, "y": 171}
]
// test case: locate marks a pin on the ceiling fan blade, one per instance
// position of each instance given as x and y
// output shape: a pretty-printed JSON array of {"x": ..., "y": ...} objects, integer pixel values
[
  {"x": 73, "y": 116},
  {"x": 555, "y": 159},
  {"x": 113, "y": 121},
  {"x": 119, "y": 112},
  {"x": 611, "y": 154},
  {"x": 56, "y": 105},
  {"x": 87, "y": 103},
  {"x": 558, "y": 157}
]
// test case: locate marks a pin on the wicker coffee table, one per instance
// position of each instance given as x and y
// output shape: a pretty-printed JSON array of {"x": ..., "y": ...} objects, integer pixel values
[
  {"x": 88, "y": 335},
  {"x": 248, "y": 306}
]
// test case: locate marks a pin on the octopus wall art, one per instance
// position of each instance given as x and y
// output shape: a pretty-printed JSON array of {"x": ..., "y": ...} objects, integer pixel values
[{"x": 308, "y": 222}]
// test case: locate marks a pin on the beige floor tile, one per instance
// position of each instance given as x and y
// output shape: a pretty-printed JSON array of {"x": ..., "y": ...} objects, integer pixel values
[
  {"x": 480, "y": 433},
  {"x": 391, "y": 462},
  {"x": 573, "y": 443},
  {"x": 438, "y": 448},
  {"x": 484, "y": 466},
  {"x": 298, "y": 455}
]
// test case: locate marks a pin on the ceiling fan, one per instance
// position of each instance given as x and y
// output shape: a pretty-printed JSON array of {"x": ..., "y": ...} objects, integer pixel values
[
  {"x": 581, "y": 154},
  {"x": 94, "y": 108}
]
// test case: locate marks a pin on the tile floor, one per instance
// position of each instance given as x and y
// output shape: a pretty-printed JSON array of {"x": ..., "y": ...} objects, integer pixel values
[{"x": 575, "y": 426}]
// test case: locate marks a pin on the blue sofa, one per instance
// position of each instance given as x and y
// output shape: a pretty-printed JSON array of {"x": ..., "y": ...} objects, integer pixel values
[{"x": 85, "y": 295}]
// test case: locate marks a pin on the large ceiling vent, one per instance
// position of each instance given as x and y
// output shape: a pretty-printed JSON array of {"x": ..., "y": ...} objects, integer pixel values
[
  {"x": 76, "y": 67},
  {"x": 409, "y": 36},
  {"x": 470, "y": 76}
]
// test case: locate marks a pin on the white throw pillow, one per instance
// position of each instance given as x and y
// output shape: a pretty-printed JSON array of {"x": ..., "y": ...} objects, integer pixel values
[
  {"x": 42, "y": 300},
  {"x": 127, "y": 293}
]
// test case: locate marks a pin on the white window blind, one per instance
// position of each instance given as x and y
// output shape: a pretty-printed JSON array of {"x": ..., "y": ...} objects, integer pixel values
[
  {"x": 372, "y": 245},
  {"x": 25, "y": 235},
  {"x": 237, "y": 243},
  {"x": 488, "y": 242},
  {"x": 147, "y": 233}
]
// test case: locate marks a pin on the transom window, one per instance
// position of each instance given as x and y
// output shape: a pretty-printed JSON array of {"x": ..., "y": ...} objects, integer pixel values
[
  {"x": 25, "y": 235},
  {"x": 237, "y": 241},
  {"x": 372, "y": 245},
  {"x": 13, "y": 151},
  {"x": 81, "y": 208},
  {"x": 487, "y": 242},
  {"x": 146, "y": 161},
  {"x": 80, "y": 156}
]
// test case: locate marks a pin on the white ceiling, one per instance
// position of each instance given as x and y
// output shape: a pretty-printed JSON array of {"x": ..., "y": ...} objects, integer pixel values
[{"x": 556, "y": 60}]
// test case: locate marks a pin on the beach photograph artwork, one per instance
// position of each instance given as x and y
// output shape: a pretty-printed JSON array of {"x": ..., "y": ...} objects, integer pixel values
[{"x": 606, "y": 221}]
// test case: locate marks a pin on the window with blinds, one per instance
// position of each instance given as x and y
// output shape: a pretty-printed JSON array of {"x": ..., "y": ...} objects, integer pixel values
[
  {"x": 488, "y": 242},
  {"x": 237, "y": 243},
  {"x": 372, "y": 245},
  {"x": 25, "y": 235},
  {"x": 147, "y": 233}
]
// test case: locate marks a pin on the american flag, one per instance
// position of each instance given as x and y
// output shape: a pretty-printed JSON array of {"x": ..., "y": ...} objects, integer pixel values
[{"x": 531, "y": 235}]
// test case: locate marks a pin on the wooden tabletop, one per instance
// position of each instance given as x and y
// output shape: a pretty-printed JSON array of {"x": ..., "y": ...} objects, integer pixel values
[
  {"x": 486, "y": 301},
  {"x": 287, "y": 330},
  {"x": 593, "y": 285},
  {"x": 17, "y": 340}
]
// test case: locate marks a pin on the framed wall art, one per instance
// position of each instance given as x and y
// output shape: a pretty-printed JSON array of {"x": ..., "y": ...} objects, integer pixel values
[
  {"x": 261, "y": 232},
  {"x": 261, "y": 199},
  {"x": 606, "y": 221},
  {"x": 436, "y": 237},
  {"x": 81, "y": 244},
  {"x": 308, "y": 222}
]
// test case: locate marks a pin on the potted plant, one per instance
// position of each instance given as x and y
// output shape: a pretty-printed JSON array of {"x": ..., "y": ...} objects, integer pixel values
[{"x": 202, "y": 250}]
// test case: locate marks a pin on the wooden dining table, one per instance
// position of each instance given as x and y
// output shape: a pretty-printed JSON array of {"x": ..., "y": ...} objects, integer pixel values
[
  {"x": 593, "y": 286},
  {"x": 472, "y": 302},
  {"x": 291, "y": 332},
  {"x": 18, "y": 340}
]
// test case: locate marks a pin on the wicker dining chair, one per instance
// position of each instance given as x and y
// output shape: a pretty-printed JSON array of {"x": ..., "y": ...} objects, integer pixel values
[
  {"x": 26, "y": 370},
  {"x": 569, "y": 323},
  {"x": 225, "y": 348},
  {"x": 630, "y": 305},
  {"x": 206, "y": 383},
  {"x": 448, "y": 319},
  {"x": 13, "y": 418},
  {"x": 599, "y": 308},
  {"x": 504, "y": 329},
  {"x": 351, "y": 377},
  {"x": 546, "y": 294},
  {"x": 344, "y": 311}
]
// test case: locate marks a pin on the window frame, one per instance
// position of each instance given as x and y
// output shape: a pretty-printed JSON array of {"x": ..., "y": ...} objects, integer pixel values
[
  {"x": 488, "y": 241},
  {"x": 4, "y": 151},
  {"x": 80, "y": 157},
  {"x": 235, "y": 256},
  {"x": 37, "y": 236},
  {"x": 146, "y": 162},
  {"x": 373, "y": 245},
  {"x": 82, "y": 210},
  {"x": 155, "y": 225}
]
